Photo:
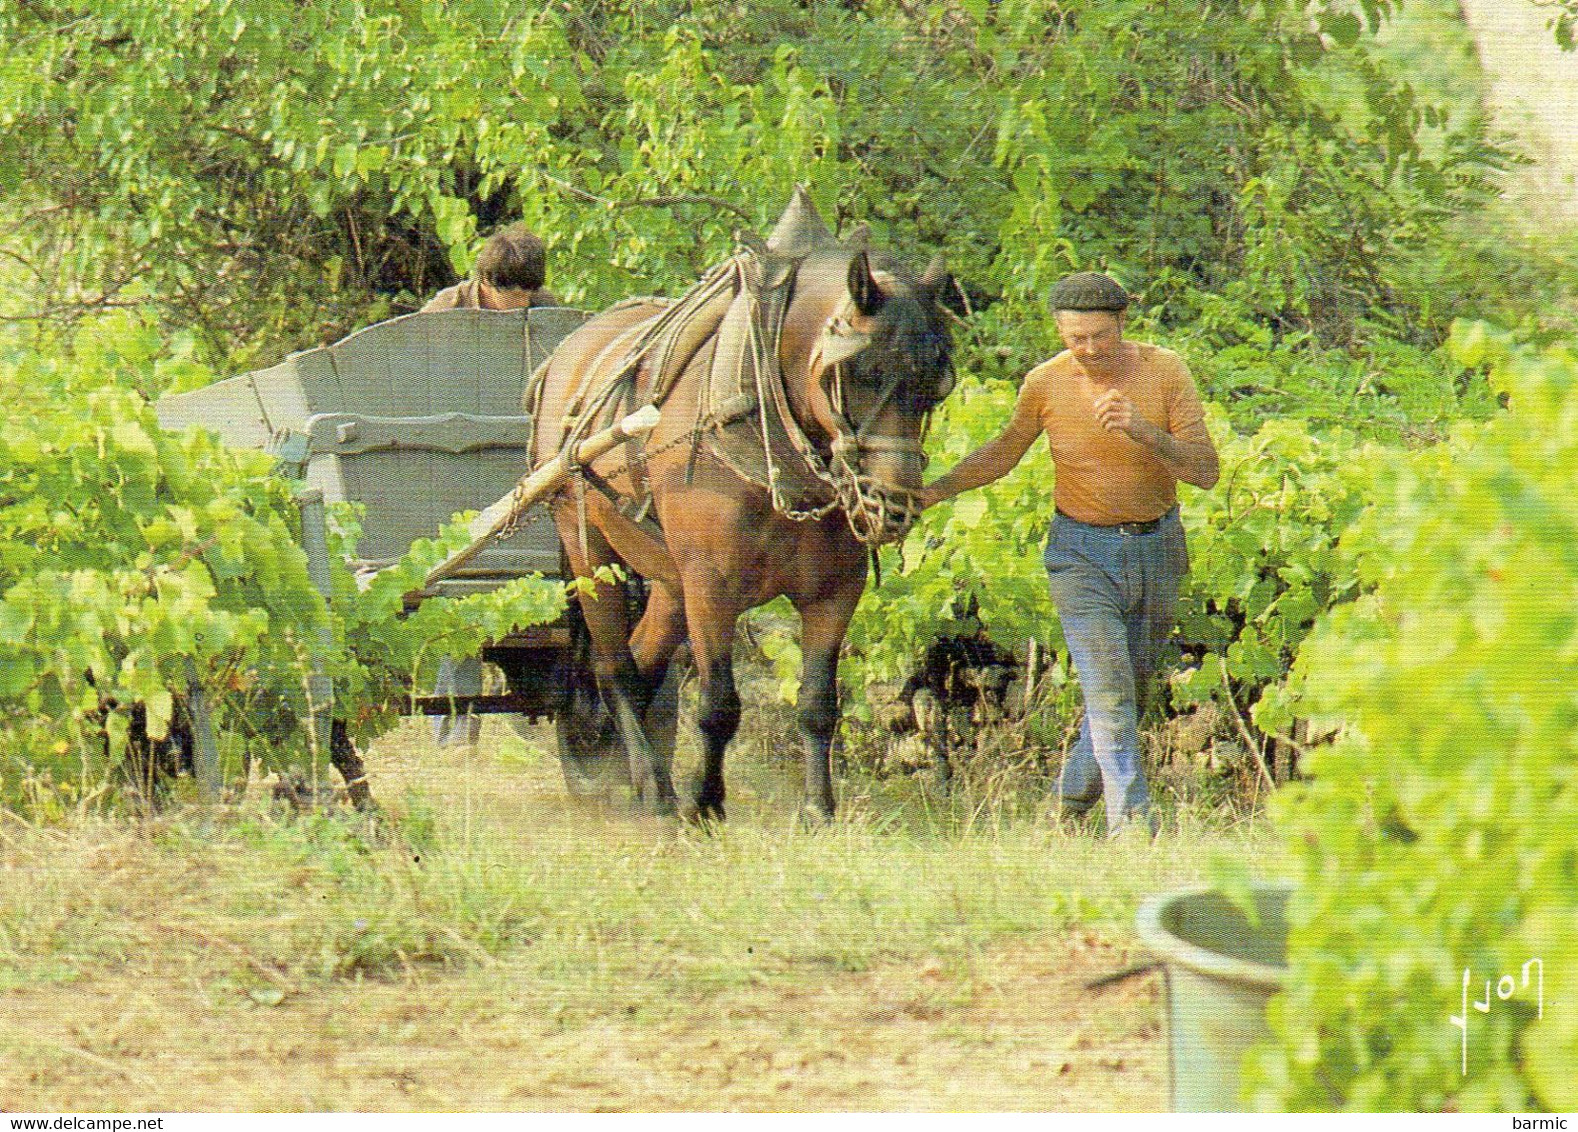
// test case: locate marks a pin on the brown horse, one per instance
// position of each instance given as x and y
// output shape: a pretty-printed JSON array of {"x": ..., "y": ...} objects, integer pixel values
[{"x": 795, "y": 383}]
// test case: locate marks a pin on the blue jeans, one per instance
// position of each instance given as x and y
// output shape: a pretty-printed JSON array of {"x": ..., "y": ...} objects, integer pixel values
[{"x": 1115, "y": 594}]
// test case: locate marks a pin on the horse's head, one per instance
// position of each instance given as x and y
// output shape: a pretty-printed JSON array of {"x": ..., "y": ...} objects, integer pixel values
[{"x": 881, "y": 362}]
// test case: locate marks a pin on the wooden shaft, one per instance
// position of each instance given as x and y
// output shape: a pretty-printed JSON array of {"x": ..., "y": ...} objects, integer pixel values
[{"x": 538, "y": 486}]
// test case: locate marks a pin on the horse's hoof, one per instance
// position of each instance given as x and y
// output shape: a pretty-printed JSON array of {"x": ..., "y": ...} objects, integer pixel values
[{"x": 704, "y": 810}]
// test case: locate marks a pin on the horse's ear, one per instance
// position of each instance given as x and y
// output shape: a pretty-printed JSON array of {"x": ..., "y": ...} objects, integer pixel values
[
  {"x": 863, "y": 289},
  {"x": 936, "y": 279},
  {"x": 937, "y": 285},
  {"x": 859, "y": 238}
]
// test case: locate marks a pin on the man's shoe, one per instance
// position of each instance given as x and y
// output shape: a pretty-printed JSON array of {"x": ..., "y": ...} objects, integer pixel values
[{"x": 1137, "y": 830}]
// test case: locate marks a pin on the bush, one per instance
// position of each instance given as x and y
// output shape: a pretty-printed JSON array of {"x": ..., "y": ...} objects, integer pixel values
[
  {"x": 1265, "y": 558},
  {"x": 262, "y": 173},
  {"x": 134, "y": 560},
  {"x": 1435, "y": 841},
  {"x": 128, "y": 554}
]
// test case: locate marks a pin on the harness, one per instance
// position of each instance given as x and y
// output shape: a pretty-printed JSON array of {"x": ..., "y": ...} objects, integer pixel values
[
  {"x": 732, "y": 320},
  {"x": 876, "y": 511}
]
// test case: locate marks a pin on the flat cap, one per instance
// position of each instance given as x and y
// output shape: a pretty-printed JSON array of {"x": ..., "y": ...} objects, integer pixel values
[{"x": 1088, "y": 291}]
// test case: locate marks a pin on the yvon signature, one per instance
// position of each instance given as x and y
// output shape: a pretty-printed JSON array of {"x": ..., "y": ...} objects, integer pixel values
[{"x": 1506, "y": 987}]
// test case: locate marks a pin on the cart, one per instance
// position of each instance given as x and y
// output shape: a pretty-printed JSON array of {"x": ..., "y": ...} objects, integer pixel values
[{"x": 418, "y": 418}]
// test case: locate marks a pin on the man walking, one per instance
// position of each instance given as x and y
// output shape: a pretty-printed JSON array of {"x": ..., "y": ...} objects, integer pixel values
[
  {"x": 1125, "y": 426},
  {"x": 509, "y": 275}
]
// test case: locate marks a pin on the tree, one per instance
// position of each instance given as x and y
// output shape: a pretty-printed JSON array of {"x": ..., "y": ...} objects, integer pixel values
[{"x": 271, "y": 175}]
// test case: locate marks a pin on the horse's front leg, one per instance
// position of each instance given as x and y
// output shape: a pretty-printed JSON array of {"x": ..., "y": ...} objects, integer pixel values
[
  {"x": 822, "y": 627},
  {"x": 711, "y": 611}
]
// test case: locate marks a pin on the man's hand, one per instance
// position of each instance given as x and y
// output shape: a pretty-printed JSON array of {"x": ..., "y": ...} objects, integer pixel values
[
  {"x": 1192, "y": 463},
  {"x": 1116, "y": 414},
  {"x": 987, "y": 464}
]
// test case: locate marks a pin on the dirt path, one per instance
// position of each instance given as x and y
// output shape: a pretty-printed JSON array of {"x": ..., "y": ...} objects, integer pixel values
[
  {"x": 1534, "y": 95},
  {"x": 194, "y": 1015},
  {"x": 162, "y": 1037}
]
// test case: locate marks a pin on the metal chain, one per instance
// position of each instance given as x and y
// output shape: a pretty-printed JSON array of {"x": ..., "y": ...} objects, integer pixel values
[{"x": 870, "y": 513}]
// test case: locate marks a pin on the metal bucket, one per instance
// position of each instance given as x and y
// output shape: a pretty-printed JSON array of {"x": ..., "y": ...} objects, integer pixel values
[{"x": 1220, "y": 974}]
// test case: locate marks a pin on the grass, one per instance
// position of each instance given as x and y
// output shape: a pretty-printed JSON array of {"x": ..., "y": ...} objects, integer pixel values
[
  {"x": 595, "y": 895},
  {"x": 486, "y": 897}
]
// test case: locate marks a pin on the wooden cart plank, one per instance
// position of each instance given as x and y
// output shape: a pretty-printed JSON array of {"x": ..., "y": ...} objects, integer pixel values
[
  {"x": 548, "y": 326},
  {"x": 230, "y": 408}
]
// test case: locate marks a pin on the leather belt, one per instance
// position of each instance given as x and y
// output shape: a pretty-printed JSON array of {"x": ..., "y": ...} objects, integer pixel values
[{"x": 1148, "y": 527}]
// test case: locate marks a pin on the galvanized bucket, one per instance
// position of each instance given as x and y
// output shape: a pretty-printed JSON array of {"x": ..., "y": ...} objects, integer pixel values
[{"x": 1220, "y": 974}]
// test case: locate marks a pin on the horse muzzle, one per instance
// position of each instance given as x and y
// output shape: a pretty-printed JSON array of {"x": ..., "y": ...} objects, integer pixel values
[{"x": 879, "y": 487}]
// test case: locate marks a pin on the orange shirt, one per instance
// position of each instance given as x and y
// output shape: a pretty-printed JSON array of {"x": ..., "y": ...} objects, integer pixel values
[{"x": 1104, "y": 477}]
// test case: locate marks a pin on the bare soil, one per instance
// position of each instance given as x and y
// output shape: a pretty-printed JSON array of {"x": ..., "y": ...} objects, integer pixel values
[
  {"x": 161, "y": 1036},
  {"x": 192, "y": 1020}
]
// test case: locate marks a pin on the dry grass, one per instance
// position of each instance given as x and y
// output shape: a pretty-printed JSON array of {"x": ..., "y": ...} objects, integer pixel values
[{"x": 495, "y": 948}]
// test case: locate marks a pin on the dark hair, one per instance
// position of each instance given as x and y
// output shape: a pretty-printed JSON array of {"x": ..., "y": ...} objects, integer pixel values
[
  {"x": 513, "y": 259},
  {"x": 1088, "y": 291}
]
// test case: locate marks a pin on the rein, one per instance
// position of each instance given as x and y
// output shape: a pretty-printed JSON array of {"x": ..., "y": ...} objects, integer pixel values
[{"x": 875, "y": 511}]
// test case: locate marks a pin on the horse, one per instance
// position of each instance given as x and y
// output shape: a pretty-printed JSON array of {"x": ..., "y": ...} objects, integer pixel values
[{"x": 795, "y": 383}]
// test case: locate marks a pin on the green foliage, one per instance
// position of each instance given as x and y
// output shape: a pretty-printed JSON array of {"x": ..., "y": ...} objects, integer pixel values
[
  {"x": 267, "y": 175},
  {"x": 133, "y": 560},
  {"x": 1386, "y": 390},
  {"x": 1434, "y": 837},
  {"x": 127, "y": 554},
  {"x": 1264, "y": 557},
  {"x": 1564, "y": 21}
]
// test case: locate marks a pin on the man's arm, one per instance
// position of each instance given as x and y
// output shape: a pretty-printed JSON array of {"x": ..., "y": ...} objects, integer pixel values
[
  {"x": 1190, "y": 461},
  {"x": 988, "y": 463}
]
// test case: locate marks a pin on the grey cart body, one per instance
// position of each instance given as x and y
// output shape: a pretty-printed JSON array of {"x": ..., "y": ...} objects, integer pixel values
[{"x": 415, "y": 418}]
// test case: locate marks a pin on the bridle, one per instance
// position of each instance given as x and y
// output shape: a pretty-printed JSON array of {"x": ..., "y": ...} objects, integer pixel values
[{"x": 878, "y": 512}]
